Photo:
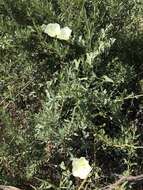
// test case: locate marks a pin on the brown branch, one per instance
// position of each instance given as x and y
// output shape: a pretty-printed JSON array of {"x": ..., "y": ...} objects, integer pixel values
[
  {"x": 4, "y": 187},
  {"x": 123, "y": 179}
]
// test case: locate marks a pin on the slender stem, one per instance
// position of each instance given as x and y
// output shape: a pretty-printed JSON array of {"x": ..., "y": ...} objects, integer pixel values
[
  {"x": 82, "y": 184},
  {"x": 130, "y": 97}
]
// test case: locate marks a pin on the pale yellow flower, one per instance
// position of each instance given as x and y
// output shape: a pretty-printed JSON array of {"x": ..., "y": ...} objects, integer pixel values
[
  {"x": 52, "y": 29},
  {"x": 65, "y": 33},
  {"x": 81, "y": 168}
]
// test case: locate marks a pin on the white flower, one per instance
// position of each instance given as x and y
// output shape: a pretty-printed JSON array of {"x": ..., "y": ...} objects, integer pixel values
[
  {"x": 52, "y": 29},
  {"x": 65, "y": 33},
  {"x": 81, "y": 168}
]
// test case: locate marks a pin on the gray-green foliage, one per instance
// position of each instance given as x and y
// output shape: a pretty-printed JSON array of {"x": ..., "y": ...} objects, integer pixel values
[{"x": 69, "y": 99}]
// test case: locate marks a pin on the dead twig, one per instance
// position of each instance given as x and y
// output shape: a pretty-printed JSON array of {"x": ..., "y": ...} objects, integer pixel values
[
  {"x": 4, "y": 187},
  {"x": 123, "y": 179}
]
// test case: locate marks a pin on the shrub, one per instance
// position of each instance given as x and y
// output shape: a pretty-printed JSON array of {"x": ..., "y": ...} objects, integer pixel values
[{"x": 66, "y": 99}]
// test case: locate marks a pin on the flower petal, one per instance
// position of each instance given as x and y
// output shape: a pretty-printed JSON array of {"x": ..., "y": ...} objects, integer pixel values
[
  {"x": 64, "y": 34},
  {"x": 52, "y": 29},
  {"x": 81, "y": 168}
]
